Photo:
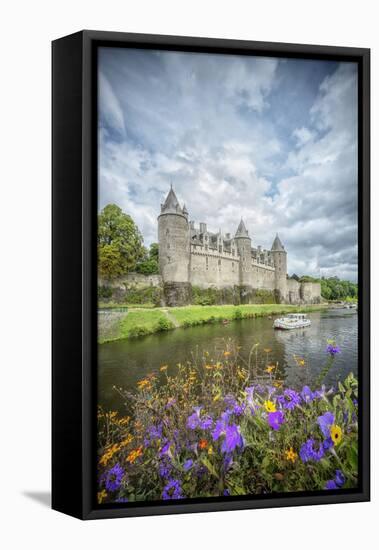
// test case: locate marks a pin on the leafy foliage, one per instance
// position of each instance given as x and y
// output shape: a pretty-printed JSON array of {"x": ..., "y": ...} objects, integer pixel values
[
  {"x": 149, "y": 265},
  {"x": 208, "y": 428},
  {"x": 333, "y": 288},
  {"x": 119, "y": 243}
]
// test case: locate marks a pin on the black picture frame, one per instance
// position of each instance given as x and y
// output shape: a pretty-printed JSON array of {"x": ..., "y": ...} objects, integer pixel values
[{"x": 74, "y": 294}]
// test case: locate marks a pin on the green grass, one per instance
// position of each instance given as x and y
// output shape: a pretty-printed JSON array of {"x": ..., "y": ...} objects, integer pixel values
[{"x": 143, "y": 321}]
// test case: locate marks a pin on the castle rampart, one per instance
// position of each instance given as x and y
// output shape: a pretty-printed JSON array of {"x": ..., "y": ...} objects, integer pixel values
[{"x": 194, "y": 256}]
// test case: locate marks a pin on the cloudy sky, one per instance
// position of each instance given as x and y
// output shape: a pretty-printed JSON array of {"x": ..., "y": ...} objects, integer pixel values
[{"x": 271, "y": 140}]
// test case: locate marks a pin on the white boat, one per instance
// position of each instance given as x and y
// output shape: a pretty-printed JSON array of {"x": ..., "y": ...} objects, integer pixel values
[{"x": 291, "y": 321}]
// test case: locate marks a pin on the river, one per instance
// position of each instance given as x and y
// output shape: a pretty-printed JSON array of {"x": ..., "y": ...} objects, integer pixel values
[{"x": 123, "y": 363}]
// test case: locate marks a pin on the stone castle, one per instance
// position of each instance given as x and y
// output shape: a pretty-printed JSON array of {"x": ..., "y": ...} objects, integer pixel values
[{"x": 193, "y": 256}]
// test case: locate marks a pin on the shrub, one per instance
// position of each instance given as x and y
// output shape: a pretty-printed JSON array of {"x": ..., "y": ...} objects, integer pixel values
[
  {"x": 237, "y": 314},
  {"x": 164, "y": 324},
  {"x": 137, "y": 331},
  {"x": 104, "y": 292}
]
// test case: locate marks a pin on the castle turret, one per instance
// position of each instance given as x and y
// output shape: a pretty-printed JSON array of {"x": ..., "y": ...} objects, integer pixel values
[
  {"x": 174, "y": 250},
  {"x": 279, "y": 256},
  {"x": 243, "y": 243}
]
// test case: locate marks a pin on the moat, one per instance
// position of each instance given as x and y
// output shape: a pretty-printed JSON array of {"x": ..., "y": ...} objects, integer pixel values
[{"x": 123, "y": 363}]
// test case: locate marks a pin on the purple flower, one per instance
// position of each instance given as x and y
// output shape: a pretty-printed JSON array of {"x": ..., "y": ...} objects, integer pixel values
[
  {"x": 233, "y": 439},
  {"x": 291, "y": 399},
  {"x": 311, "y": 450},
  {"x": 187, "y": 465},
  {"x": 227, "y": 461},
  {"x": 337, "y": 482},
  {"x": 206, "y": 423},
  {"x": 340, "y": 478},
  {"x": 165, "y": 468},
  {"x": 332, "y": 349},
  {"x": 325, "y": 422},
  {"x": 331, "y": 484},
  {"x": 226, "y": 493},
  {"x": 275, "y": 419},
  {"x": 165, "y": 449},
  {"x": 193, "y": 421},
  {"x": 122, "y": 499},
  {"x": 327, "y": 443},
  {"x": 172, "y": 490},
  {"x": 218, "y": 430},
  {"x": 307, "y": 394},
  {"x": 113, "y": 478}
]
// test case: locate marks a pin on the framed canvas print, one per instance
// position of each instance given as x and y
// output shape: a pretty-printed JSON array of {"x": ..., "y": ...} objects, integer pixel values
[{"x": 210, "y": 275}]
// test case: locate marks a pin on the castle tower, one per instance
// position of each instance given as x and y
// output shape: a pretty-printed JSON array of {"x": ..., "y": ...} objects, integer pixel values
[
  {"x": 174, "y": 250},
  {"x": 280, "y": 262},
  {"x": 243, "y": 244}
]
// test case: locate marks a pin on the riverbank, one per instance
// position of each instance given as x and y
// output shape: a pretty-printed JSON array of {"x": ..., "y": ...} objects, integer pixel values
[{"x": 137, "y": 322}]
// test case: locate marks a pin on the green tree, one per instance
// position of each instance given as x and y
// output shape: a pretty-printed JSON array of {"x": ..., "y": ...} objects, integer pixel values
[
  {"x": 149, "y": 264},
  {"x": 119, "y": 243}
]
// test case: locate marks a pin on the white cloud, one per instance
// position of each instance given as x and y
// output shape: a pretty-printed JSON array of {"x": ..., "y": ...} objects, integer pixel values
[{"x": 208, "y": 125}]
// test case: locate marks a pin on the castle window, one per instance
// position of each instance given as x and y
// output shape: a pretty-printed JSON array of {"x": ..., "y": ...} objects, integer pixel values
[
  {"x": 220, "y": 249},
  {"x": 206, "y": 247},
  {"x": 232, "y": 266},
  {"x": 167, "y": 231}
]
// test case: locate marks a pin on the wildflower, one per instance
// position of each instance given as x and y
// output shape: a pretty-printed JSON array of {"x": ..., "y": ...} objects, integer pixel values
[
  {"x": 122, "y": 499},
  {"x": 270, "y": 368},
  {"x": 144, "y": 384},
  {"x": 194, "y": 419},
  {"x": 340, "y": 478},
  {"x": 269, "y": 406},
  {"x": 307, "y": 394},
  {"x": 101, "y": 495},
  {"x": 165, "y": 467},
  {"x": 188, "y": 465},
  {"x": 203, "y": 444},
  {"x": 327, "y": 443},
  {"x": 218, "y": 430},
  {"x": 205, "y": 423},
  {"x": 311, "y": 450},
  {"x": 290, "y": 455},
  {"x": 163, "y": 368},
  {"x": 267, "y": 350},
  {"x": 210, "y": 450},
  {"x": 172, "y": 490},
  {"x": 133, "y": 455},
  {"x": 226, "y": 493},
  {"x": 113, "y": 478},
  {"x": 336, "y": 434},
  {"x": 232, "y": 439},
  {"x": 165, "y": 450},
  {"x": 290, "y": 399},
  {"x": 331, "y": 484},
  {"x": 299, "y": 361},
  {"x": 325, "y": 422},
  {"x": 337, "y": 482},
  {"x": 226, "y": 353},
  {"x": 275, "y": 419},
  {"x": 170, "y": 402},
  {"x": 332, "y": 348}
]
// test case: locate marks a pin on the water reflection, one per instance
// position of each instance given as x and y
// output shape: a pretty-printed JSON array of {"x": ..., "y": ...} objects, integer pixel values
[{"x": 123, "y": 363}]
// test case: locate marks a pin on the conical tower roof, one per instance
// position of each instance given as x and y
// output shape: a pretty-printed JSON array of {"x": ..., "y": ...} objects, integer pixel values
[
  {"x": 277, "y": 245},
  {"x": 171, "y": 202},
  {"x": 242, "y": 231}
]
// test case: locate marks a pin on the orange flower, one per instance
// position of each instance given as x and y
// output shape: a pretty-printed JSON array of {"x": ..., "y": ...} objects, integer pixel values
[
  {"x": 133, "y": 455},
  {"x": 203, "y": 444},
  {"x": 226, "y": 353}
]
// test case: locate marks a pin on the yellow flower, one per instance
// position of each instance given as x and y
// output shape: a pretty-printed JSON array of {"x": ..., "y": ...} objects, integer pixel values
[
  {"x": 226, "y": 353},
  {"x": 278, "y": 384},
  {"x": 290, "y": 455},
  {"x": 208, "y": 367},
  {"x": 270, "y": 368},
  {"x": 299, "y": 361},
  {"x": 163, "y": 368},
  {"x": 210, "y": 450},
  {"x": 269, "y": 406},
  {"x": 267, "y": 350},
  {"x": 336, "y": 434},
  {"x": 101, "y": 496}
]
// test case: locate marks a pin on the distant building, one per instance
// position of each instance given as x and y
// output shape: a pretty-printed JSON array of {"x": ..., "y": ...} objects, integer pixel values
[{"x": 190, "y": 255}]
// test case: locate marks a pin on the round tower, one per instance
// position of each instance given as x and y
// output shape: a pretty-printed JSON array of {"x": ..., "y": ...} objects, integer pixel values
[
  {"x": 279, "y": 256},
  {"x": 243, "y": 244},
  {"x": 174, "y": 250}
]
